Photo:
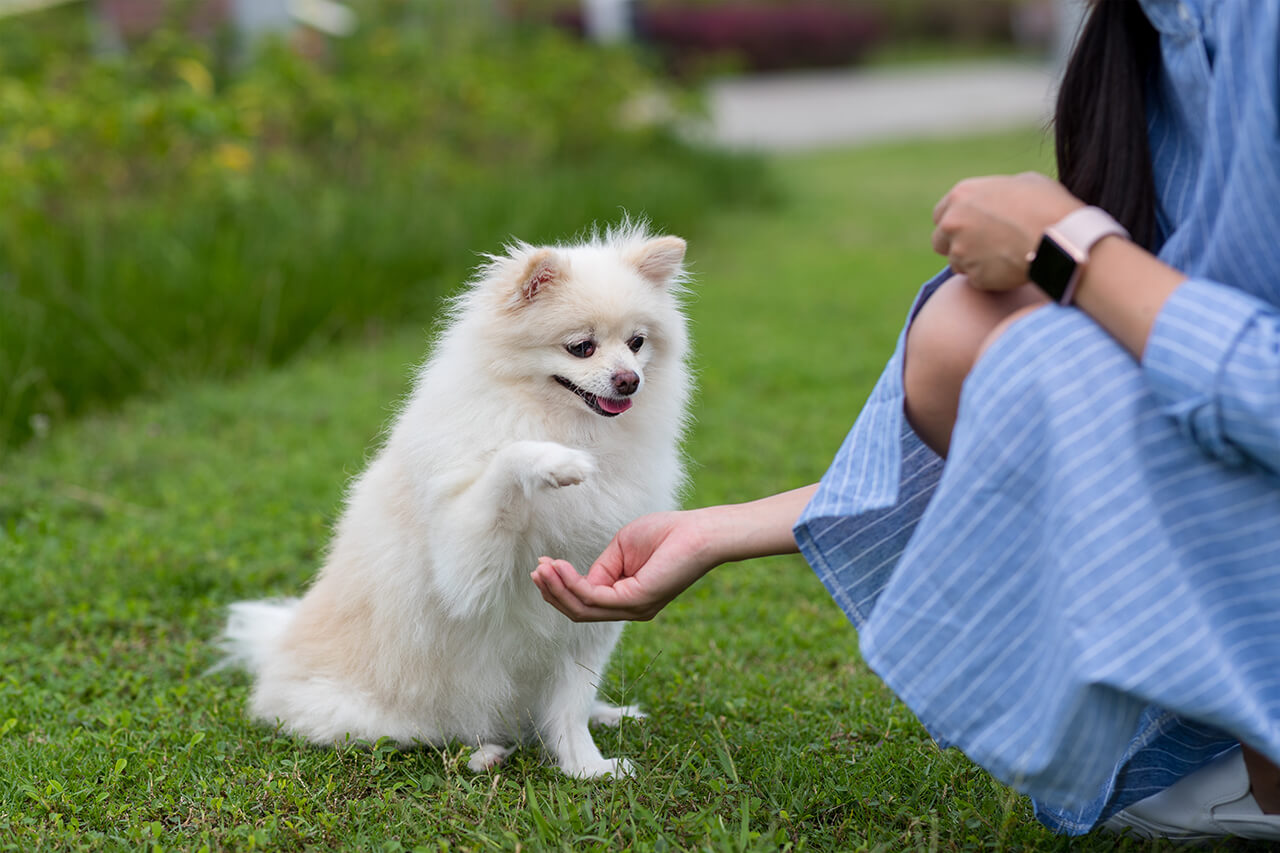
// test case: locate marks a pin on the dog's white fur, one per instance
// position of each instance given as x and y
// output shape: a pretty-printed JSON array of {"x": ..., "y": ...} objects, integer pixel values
[{"x": 423, "y": 625}]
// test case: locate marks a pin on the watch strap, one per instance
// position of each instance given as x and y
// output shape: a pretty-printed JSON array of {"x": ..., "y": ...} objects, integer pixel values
[{"x": 1076, "y": 234}]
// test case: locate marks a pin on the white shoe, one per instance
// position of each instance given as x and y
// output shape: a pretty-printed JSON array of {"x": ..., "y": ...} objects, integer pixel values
[{"x": 1213, "y": 802}]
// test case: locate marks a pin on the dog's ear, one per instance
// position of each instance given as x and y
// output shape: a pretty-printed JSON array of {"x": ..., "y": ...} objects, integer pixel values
[
  {"x": 659, "y": 259},
  {"x": 543, "y": 269}
]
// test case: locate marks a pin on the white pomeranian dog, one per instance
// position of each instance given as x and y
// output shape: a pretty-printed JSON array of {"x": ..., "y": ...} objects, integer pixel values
[{"x": 548, "y": 415}]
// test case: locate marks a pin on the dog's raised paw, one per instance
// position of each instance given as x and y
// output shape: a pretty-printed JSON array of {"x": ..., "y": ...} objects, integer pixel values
[{"x": 560, "y": 466}]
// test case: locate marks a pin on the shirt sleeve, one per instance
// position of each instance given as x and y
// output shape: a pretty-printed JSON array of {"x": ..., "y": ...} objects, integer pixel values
[{"x": 1213, "y": 361}]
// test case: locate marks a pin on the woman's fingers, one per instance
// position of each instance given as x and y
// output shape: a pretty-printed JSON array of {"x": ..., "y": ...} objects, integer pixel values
[
  {"x": 575, "y": 596},
  {"x": 941, "y": 241}
]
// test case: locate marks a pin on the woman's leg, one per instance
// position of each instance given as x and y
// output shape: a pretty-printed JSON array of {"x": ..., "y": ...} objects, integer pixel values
[
  {"x": 1264, "y": 780},
  {"x": 952, "y": 329},
  {"x": 947, "y": 337}
]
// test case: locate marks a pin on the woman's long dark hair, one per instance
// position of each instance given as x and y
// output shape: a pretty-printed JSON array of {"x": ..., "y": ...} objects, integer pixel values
[{"x": 1100, "y": 124}]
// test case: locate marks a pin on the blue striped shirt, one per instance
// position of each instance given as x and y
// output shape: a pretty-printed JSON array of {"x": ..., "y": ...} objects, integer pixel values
[{"x": 1086, "y": 597}]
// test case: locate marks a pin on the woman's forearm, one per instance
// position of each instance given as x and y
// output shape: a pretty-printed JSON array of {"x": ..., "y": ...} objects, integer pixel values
[
  {"x": 658, "y": 556},
  {"x": 1123, "y": 289},
  {"x": 758, "y": 528},
  {"x": 984, "y": 223}
]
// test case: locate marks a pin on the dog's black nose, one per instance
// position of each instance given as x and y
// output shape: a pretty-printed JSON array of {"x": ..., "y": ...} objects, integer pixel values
[{"x": 626, "y": 382}]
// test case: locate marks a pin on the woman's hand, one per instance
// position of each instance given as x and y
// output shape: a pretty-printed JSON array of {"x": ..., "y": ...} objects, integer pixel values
[
  {"x": 986, "y": 227},
  {"x": 656, "y": 557},
  {"x": 651, "y": 561}
]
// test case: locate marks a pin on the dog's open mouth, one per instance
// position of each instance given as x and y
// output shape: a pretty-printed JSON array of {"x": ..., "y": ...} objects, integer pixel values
[{"x": 609, "y": 407}]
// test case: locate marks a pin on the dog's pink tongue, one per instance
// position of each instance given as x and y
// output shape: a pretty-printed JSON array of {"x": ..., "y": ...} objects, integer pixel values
[{"x": 614, "y": 407}]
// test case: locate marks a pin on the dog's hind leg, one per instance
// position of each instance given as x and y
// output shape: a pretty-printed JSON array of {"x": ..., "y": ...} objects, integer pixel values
[
  {"x": 487, "y": 756},
  {"x": 604, "y": 714}
]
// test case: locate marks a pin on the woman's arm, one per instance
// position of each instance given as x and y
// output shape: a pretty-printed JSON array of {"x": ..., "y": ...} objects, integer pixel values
[
  {"x": 1124, "y": 287},
  {"x": 656, "y": 557},
  {"x": 1210, "y": 352}
]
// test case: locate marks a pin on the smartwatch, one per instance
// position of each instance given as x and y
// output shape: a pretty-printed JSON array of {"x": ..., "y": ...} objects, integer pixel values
[{"x": 1056, "y": 266}]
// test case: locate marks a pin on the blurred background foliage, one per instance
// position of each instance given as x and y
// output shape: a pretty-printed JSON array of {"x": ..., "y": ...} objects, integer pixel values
[
  {"x": 693, "y": 36},
  {"x": 190, "y": 207}
]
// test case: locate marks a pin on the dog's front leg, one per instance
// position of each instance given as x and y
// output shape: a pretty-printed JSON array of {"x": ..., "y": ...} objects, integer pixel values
[
  {"x": 482, "y": 527},
  {"x": 569, "y": 703}
]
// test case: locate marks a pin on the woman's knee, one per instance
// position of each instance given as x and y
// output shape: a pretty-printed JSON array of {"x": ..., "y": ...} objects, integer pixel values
[
  {"x": 946, "y": 338},
  {"x": 1002, "y": 327}
]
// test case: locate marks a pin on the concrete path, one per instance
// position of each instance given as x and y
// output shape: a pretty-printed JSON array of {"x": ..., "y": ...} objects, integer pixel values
[{"x": 810, "y": 110}]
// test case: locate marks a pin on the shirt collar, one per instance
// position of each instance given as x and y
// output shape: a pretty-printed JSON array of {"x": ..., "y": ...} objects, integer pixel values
[{"x": 1175, "y": 17}]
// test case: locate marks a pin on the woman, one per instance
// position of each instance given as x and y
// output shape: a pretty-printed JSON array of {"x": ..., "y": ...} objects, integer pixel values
[{"x": 1057, "y": 526}]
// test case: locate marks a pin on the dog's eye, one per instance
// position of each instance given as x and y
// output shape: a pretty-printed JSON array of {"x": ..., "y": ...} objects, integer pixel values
[
  {"x": 582, "y": 349},
  {"x": 636, "y": 342}
]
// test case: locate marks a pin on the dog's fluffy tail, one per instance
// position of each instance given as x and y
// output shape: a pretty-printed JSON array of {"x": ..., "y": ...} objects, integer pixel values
[{"x": 253, "y": 632}]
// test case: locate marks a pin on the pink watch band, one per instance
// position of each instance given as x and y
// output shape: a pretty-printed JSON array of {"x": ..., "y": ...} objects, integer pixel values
[{"x": 1077, "y": 233}]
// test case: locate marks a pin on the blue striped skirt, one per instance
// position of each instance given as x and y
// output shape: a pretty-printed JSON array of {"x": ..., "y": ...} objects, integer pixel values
[{"x": 1080, "y": 599}]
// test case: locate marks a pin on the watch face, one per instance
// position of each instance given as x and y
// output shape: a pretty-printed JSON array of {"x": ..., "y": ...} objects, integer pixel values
[{"x": 1052, "y": 268}]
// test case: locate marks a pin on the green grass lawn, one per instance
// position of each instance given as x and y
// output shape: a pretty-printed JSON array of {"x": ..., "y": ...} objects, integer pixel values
[{"x": 122, "y": 538}]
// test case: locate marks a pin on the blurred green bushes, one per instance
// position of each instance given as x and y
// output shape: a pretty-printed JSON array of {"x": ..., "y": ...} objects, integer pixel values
[{"x": 172, "y": 214}]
